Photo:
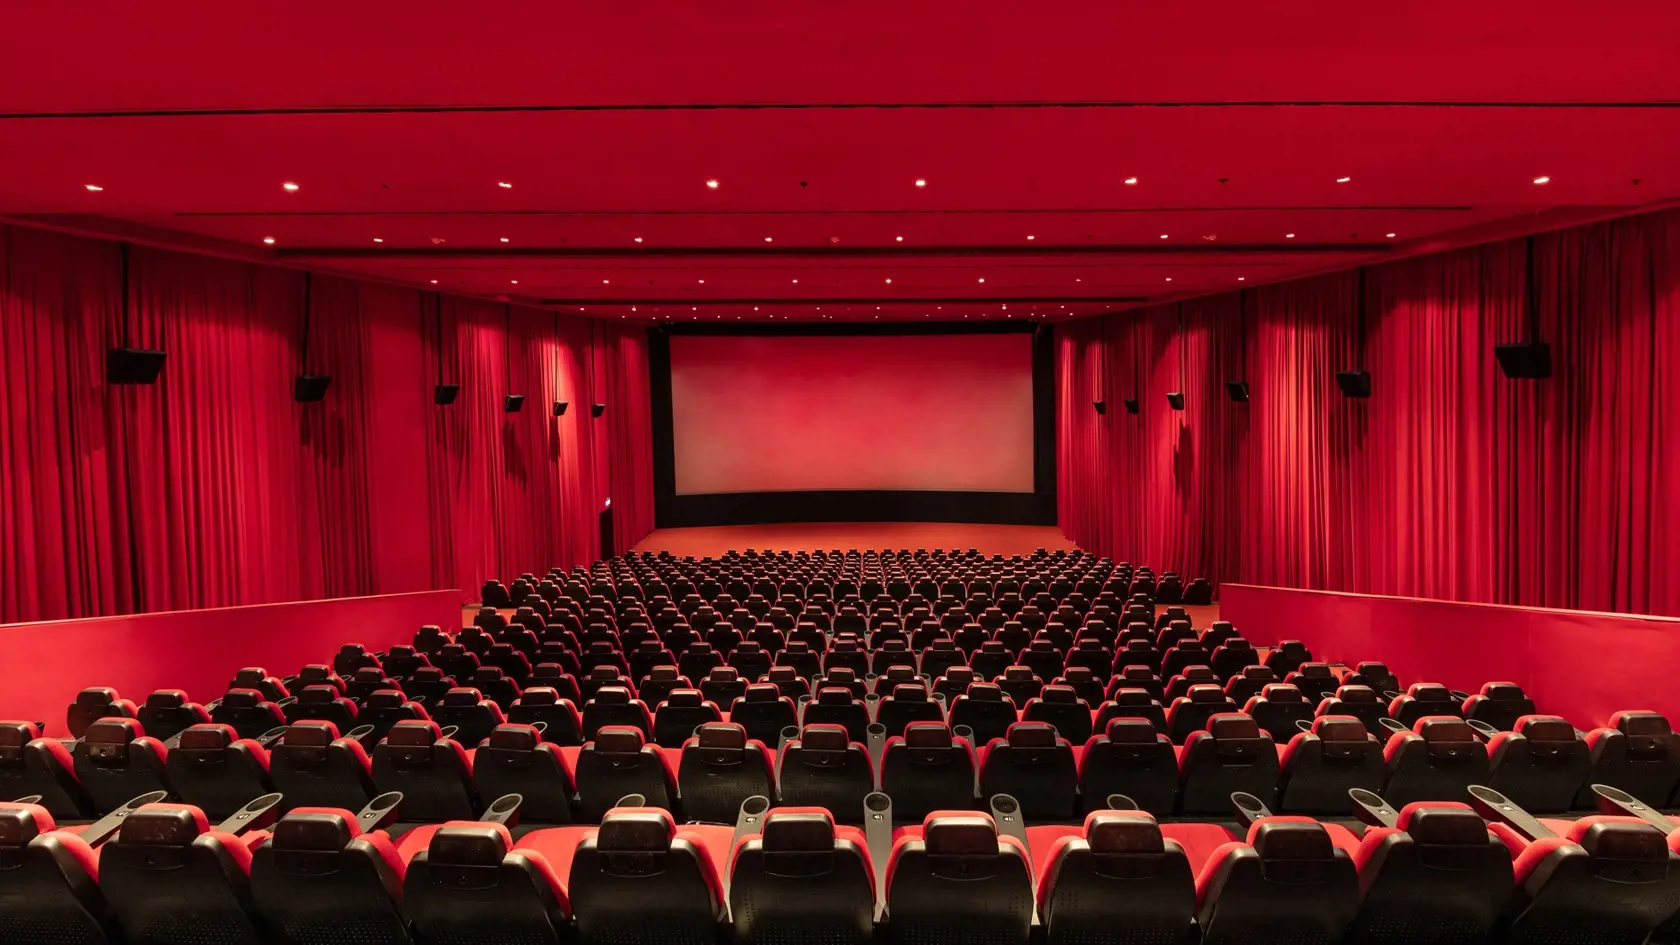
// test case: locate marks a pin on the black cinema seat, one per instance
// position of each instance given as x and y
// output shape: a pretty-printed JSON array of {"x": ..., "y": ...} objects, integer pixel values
[
  {"x": 1436, "y": 761},
  {"x": 1499, "y": 704},
  {"x": 48, "y": 883},
  {"x": 1319, "y": 767},
  {"x": 1232, "y": 754},
  {"x": 168, "y": 712},
  {"x": 31, "y": 765},
  {"x": 1132, "y": 758},
  {"x": 1637, "y": 752},
  {"x": 617, "y": 763},
  {"x": 959, "y": 881},
  {"x": 432, "y": 772},
  {"x": 684, "y": 711},
  {"x": 516, "y": 760},
  {"x": 312, "y": 766},
  {"x": 802, "y": 879},
  {"x": 638, "y": 878},
  {"x": 824, "y": 768},
  {"x": 928, "y": 769},
  {"x": 471, "y": 882},
  {"x": 1289, "y": 883},
  {"x": 1116, "y": 880},
  {"x": 320, "y": 879},
  {"x": 1437, "y": 875},
  {"x": 170, "y": 879},
  {"x": 116, "y": 761},
  {"x": 1542, "y": 765},
  {"x": 1035, "y": 766},
  {"x": 215, "y": 770},
  {"x": 721, "y": 767}
]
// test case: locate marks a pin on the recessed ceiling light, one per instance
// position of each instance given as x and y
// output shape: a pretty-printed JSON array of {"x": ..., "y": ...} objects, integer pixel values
[
  {"x": 1029, "y": 236},
  {"x": 269, "y": 240},
  {"x": 702, "y": 282},
  {"x": 900, "y": 239},
  {"x": 93, "y": 188},
  {"x": 505, "y": 185},
  {"x": 378, "y": 240},
  {"x": 1289, "y": 236},
  {"x": 1242, "y": 278},
  {"x": 889, "y": 282},
  {"x": 768, "y": 240},
  {"x": 920, "y": 182},
  {"x": 1163, "y": 236},
  {"x": 434, "y": 282},
  {"x": 1391, "y": 236},
  {"x": 632, "y": 308},
  {"x": 1169, "y": 278},
  {"x": 504, "y": 239},
  {"x": 982, "y": 278},
  {"x": 796, "y": 282},
  {"x": 1131, "y": 182},
  {"x": 605, "y": 282},
  {"x": 638, "y": 239},
  {"x": 1542, "y": 180},
  {"x": 1343, "y": 180},
  {"x": 289, "y": 187},
  {"x": 1079, "y": 280},
  {"x": 516, "y": 282},
  {"x": 712, "y": 184},
  {"x": 755, "y": 308}
]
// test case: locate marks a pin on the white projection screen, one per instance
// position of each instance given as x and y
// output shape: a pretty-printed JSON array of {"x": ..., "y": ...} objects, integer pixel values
[{"x": 920, "y": 413}]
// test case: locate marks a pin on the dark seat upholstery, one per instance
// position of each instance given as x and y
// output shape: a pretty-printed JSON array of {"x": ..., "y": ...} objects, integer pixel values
[
  {"x": 471, "y": 878},
  {"x": 802, "y": 879},
  {"x": 907, "y": 703},
  {"x": 1603, "y": 880},
  {"x": 619, "y": 762},
  {"x": 319, "y": 879},
  {"x": 1192, "y": 712},
  {"x": 1116, "y": 880},
  {"x": 313, "y": 767},
  {"x": 91, "y": 705},
  {"x": 48, "y": 887},
  {"x": 1637, "y": 752},
  {"x": 1036, "y": 767},
  {"x": 720, "y": 768},
  {"x": 31, "y": 765},
  {"x": 1133, "y": 758},
  {"x": 1232, "y": 754},
  {"x": 168, "y": 712},
  {"x": 835, "y": 706},
  {"x": 764, "y": 712},
  {"x": 640, "y": 879},
  {"x": 928, "y": 769},
  {"x": 615, "y": 705},
  {"x": 824, "y": 767},
  {"x": 431, "y": 771},
  {"x": 1288, "y": 883},
  {"x": 473, "y": 716},
  {"x": 1423, "y": 700},
  {"x": 684, "y": 711},
  {"x": 1438, "y": 875},
  {"x": 564, "y": 726},
  {"x": 322, "y": 703},
  {"x": 1316, "y": 681},
  {"x": 1541, "y": 766},
  {"x": 1277, "y": 708},
  {"x": 116, "y": 761},
  {"x": 215, "y": 770},
  {"x": 516, "y": 760},
  {"x": 170, "y": 879},
  {"x": 959, "y": 882},
  {"x": 1062, "y": 708},
  {"x": 1499, "y": 704},
  {"x": 1436, "y": 761},
  {"x": 1362, "y": 703},
  {"x": 986, "y": 710},
  {"x": 1318, "y": 768}
]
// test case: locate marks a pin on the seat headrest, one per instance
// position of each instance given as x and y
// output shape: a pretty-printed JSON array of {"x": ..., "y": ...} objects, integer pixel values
[
  {"x": 462, "y": 695},
  {"x": 1189, "y": 646},
  {"x": 1133, "y": 697},
  {"x": 842, "y": 674},
  {"x": 96, "y": 697},
  {"x": 603, "y": 672},
  {"x": 173, "y": 825},
  {"x": 315, "y": 671},
  {"x": 663, "y": 673},
  {"x": 909, "y": 692},
  {"x": 250, "y": 676},
  {"x": 1316, "y": 670},
  {"x": 384, "y": 699},
  {"x": 794, "y": 647},
  {"x": 824, "y": 737},
  {"x": 798, "y": 831},
  {"x": 960, "y": 834},
  {"x": 1235, "y": 643},
  {"x": 1206, "y": 693},
  {"x": 318, "y": 695},
  {"x": 725, "y": 674},
  {"x": 1503, "y": 691},
  {"x": 428, "y": 674},
  {"x": 1444, "y": 728},
  {"x": 834, "y": 695},
  {"x": 619, "y": 739},
  {"x": 1281, "y": 692},
  {"x": 207, "y": 737},
  {"x": 1258, "y": 673},
  {"x": 513, "y": 737},
  {"x": 462, "y": 844},
  {"x": 782, "y": 674},
  {"x": 1290, "y": 839},
  {"x": 1032, "y": 735},
  {"x": 166, "y": 699},
  {"x": 1061, "y": 695},
  {"x": 612, "y": 695},
  {"x": 1340, "y": 728},
  {"x": 761, "y": 692},
  {"x": 1443, "y": 823},
  {"x": 635, "y": 830},
  {"x": 373, "y": 674},
  {"x": 685, "y": 698},
  {"x": 16, "y": 734},
  {"x": 749, "y": 647},
  {"x": 21, "y": 823},
  {"x": 1545, "y": 728},
  {"x": 1018, "y": 673},
  {"x": 484, "y": 674},
  {"x": 1357, "y": 694},
  {"x": 1123, "y": 831},
  {"x": 1430, "y": 692},
  {"x": 316, "y": 829},
  {"x": 1642, "y": 724},
  {"x": 413, "y": 732},
  {"x": 722, "y": 735},
  {"x": 113, "y": 731},
  {"x": 1233, "y": 725},
  {"x": 1078, "y": 674},
  {"x": 983, "y": 692},
  {"x": 1137, "y": 673},
  {"x": 1619, "y": 838},
  {"x": 310, "y": 734},
  {"x": 1198, "y": 672},
  {"x": 1131, "y": 731},
  {"x": 242, "y": 698},
  {"x": 927, "y": 735},
  {"x": 540, "y": 695},
  {"x": 602, "y": 648}
]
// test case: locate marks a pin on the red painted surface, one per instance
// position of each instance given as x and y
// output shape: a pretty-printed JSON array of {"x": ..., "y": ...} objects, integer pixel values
[
  {"x": 1578, "y": 664},
  {"x": 47, "y": 663}
]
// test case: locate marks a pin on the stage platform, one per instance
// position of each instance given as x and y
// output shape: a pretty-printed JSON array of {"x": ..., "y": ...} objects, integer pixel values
[{"x": 863, "y": 536}]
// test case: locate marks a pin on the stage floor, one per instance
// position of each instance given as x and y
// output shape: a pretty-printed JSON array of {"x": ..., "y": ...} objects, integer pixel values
[{"x": 814, "y": 536}]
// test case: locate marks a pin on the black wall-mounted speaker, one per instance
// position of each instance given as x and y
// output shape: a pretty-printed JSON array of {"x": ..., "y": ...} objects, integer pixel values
[
  {"x": 133, "y": 366},
  {"x": 1354, "y": 383},
  {"x": 1529, "y": 361},
  {"x": 310, "y": 388},
  {"x": 444, "y": 394},
  {"x": 560, "y": 408},
  {"x": 1175, "y": 400},
  {"x": 513, "y": 403},
  {"x": 1131, "y": 404},
  {"x": 1238, "y": 391},
  {"x": 597, "y": 410},
  {"x": 1101, "y": 405}
]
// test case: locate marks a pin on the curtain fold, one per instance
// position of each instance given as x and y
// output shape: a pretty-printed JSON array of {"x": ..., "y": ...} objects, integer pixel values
[
  {"x": 214, "y": 488},
  {"x": 1451, "y": 481}
]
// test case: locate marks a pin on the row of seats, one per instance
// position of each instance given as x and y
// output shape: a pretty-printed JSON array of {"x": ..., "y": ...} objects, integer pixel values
[{"x": 1425, "y": 873}]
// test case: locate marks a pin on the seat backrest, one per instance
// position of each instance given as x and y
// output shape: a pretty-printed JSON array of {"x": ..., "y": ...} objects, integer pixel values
[
  {"x": 960, "y": 881},
  {"x": 1062, "y": 708},
  {"x": 1036, "y": 767},
  {"x": 985, "y": 709},
  {"x": 639, "y": 878},
  {"x": 117, "y": 761},
  {"x": 721, "y": 767},
  {"x": 215, "y": 770},
  {"x": 168, "y": 712},
  {"x": 1315, "y": 680},
  {"x": 1424, "y": 699},
  {"x": 1637, "y": 753},
  {"x": 801, "y": 878},
  {"x": 312, "y": 766},
  {"x": 322, "y": 702},
  {"x": 616, "y": 763},
  {"x": 1437, "y": 875},
  {"x": 48, "y": 887},
  {"x": 1319, "y": 767},
  {"x": 1191, "y": 712},
  {"x": 91, "y": 705},
  {"x": 615, "y": 705},
  {"x": 564, "y": 726},
  {"x": 1289, "y": 882},
  {"x": 1232, "y": 754},
  {"x": 1542, "y": 765},
  {"x": 824, "y": 767},
  {"x": 473, "y": 716},
  {"x": 1116, "y": 878},
  {"x": 1436, "y": 761},
  {"x": 835, "y": 706},
  {"x": 431, "y": 771},
  {"x": 1605, "y": 879},
  {"x": 1179, "y": 686},
  {"x": 764, "y": 712},
  {"x": 319, "y": 877},
  {"x": 684, "y": 711},
  {"x": 908, "y": 702},
  {"x": 1499, "y": 704},
  {"x": 1278, "y": 708},
  {"x": 32, "y": 765},
  {"x": 516, "y": 760},
  {"x": 471, "y": 878},
  {"x": 169, "y": 878},
  {"x": 928, "y": 769},
  {"x": 1133, "y": 758}
]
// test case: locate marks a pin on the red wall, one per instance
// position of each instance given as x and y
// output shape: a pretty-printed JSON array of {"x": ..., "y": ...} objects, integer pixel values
[
  {"x": 1577, "y": 664},
  {"x": 47, "y": 663}
]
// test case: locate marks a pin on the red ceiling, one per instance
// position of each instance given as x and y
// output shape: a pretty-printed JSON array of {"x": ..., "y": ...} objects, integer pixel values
[{"x": 1235, "y": 119}]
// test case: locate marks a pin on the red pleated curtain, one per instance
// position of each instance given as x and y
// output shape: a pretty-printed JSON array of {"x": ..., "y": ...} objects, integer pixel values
[
  {"x": 1451, "y": 481},
  {"x": 214, "y": 488}
]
